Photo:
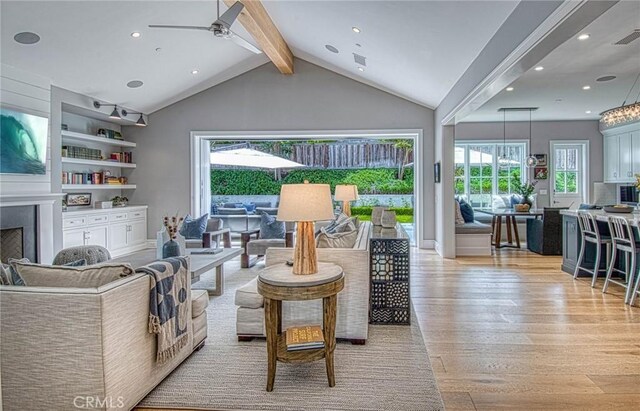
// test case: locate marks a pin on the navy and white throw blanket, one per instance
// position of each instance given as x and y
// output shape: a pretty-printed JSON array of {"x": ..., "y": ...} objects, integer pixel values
[{"x": 169, "y": 305}]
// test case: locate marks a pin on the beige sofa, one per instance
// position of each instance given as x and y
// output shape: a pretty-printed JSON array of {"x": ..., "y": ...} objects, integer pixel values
[
  {"x": 353, "y": 301},
  {"x": 63, "y": 347}
]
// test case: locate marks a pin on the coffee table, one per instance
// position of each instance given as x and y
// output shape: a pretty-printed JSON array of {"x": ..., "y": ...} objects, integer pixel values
[
  {"x": 200, "y": 264},
  {"x": 276, "y": 284},
  {"x": 510, "y": 217}
]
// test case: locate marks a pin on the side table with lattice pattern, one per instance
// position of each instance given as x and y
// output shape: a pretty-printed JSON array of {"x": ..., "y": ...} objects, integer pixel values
[{"x": 390, "y": 301}]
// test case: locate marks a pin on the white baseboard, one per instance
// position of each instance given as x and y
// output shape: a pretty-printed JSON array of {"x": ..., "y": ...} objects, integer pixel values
[{"x": 428, "y": 244}]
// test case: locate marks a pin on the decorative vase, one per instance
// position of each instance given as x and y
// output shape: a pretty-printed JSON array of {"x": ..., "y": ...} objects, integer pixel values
[
  {"x": 376, "y": 215},
  {"x": 527, "y": 200},
  {"x": 388, "y": 219},
  {"x": 170, "y": 249},
  {"x": 521, "y": 208}
]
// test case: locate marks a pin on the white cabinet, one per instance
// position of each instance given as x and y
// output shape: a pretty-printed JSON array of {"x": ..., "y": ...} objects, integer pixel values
[
  {"x": 611, "y": 152},
  {"x": 625, "y": 168},
  {"x": 121, "y": 231},
  {"x": 635, "y": 149},
  {"x": 622, "y": 154}
]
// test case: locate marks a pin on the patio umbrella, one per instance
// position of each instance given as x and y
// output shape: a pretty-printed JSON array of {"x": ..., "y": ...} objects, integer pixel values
[{"x": 247, "y": 157}]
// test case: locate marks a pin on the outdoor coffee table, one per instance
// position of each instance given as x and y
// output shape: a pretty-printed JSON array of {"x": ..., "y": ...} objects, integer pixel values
[
  {"x": 200, "y": 263},
  {"x": 276, "y": 284},
  {"x": 510, "y": 217}
]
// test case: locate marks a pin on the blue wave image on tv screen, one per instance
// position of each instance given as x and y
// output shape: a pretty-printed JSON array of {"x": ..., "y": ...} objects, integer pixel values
[{"x": 23, "y": 143}]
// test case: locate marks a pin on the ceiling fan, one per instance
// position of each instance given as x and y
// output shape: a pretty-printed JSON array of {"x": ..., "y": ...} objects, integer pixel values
[{"x": 221, "y": 27}]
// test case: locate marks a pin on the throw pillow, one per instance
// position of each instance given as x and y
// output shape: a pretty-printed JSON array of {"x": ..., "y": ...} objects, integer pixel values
[
  {"x": 78, "y": 263},
  {"x": 9, "y": 276},
  {"x": 337, "y": 240},
  {"x": 193, "y": 229},
  {"x": 14, "y": 276},
  {"x": 515, "y": 199},
  {"x": 459, "y": 218},
  {"x": 270, "y": 227},
  {"x": 250, "y": 207},
  {"x": 88, "y": 276},
  {"x": 467, "y": 212},
  {"x": 347, "y": 225},
  {"x": 340, "y": 218},
  {"x": 214, "y": 209}
]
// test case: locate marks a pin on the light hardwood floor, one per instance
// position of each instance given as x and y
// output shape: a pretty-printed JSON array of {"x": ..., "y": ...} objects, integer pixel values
[{"x": 514, "y": 332}]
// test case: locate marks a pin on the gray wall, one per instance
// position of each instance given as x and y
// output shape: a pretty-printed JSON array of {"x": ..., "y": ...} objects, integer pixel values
[
  {"x": 265, "y": 100},
  {"x": 543, "y": 132}
]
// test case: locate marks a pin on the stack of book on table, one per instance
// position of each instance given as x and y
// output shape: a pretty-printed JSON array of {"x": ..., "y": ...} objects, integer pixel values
[{"x": 308, "y": 337}]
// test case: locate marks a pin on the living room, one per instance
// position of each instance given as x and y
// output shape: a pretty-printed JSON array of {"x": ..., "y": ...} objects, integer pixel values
[{"x": 132, "y": 110}]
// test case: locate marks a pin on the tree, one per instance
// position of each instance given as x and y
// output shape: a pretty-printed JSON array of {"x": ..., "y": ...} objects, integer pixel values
[{"x": 407, "y": 147}]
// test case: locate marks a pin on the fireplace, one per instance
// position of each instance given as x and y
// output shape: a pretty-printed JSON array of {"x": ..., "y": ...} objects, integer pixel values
[{"x": 19, "y": 233}]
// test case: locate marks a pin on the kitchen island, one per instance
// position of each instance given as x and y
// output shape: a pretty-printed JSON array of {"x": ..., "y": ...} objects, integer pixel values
[{"x": 571, "y": 238}]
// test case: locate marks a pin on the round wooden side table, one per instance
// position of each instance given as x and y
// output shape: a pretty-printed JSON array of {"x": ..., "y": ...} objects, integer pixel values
[{"x": 278, "y": 283}]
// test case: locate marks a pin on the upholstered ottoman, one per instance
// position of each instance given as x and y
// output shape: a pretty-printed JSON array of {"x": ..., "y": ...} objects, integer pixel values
[{"x": 199, "y": 304}]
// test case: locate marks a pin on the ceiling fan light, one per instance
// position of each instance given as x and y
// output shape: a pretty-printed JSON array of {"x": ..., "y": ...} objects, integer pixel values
[
  {"x": 141, "y": 122},
  {"x": 114, "y": 114}
]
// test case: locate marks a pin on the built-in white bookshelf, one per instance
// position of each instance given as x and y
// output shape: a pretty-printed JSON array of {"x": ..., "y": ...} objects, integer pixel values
[
  {"x": 89, "y": 187},
  {"x": 100, "y": 163},
  {"x": 75, "y": 136}
]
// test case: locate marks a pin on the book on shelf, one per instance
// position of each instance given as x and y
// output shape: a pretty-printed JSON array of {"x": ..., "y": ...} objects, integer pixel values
[
  {"x": 81, "y": 152},
  {"x": 308, "y": 337}
]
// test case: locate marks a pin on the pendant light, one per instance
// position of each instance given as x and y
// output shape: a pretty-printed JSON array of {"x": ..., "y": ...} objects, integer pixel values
[
  {"x": 626, "y": 113},
  {"x": 531, "y": 161},
  {"x": 502, "y": 160},
  {"x": 114, "y": 114}
]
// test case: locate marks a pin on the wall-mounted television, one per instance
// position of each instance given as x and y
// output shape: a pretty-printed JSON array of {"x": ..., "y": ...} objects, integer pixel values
[{"x": 23, "y": 142}]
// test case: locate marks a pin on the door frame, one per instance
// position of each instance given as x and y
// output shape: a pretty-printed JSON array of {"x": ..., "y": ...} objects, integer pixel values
[
  {"x": 586, "y": 152},
  {"x": 199, "y": 141}
]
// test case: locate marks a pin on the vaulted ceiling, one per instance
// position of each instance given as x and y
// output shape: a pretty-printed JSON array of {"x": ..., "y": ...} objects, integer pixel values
[{"x": 414, "y": 49}]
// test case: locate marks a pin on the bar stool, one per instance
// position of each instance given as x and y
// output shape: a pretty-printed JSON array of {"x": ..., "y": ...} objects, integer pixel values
[
  {"x": 624, "y": 241},
  {"x": 591, "y": 233}
]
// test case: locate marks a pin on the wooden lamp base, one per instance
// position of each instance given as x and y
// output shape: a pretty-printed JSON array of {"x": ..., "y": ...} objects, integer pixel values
[
  {"x": 305, "y": 259},
  {"x": 346, "y": 208}
]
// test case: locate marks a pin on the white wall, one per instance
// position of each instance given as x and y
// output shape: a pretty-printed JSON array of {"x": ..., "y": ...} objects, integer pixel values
[
  {"x": 265, "y": 100},
  {"x": 28, "y": 93},
  {"x": 543, "y": 132}
]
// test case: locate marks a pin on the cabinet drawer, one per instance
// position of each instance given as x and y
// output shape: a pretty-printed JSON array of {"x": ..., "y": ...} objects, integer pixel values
[
  {"x": 119, "y": 217},
  {"x": 98, "y": 219},
  {"x": 74, "y": 222},
  {"x": 136, "y": 214}
]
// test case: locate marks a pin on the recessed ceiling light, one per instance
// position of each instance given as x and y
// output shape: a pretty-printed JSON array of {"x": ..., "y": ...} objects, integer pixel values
[
  {"x": 135, "y": 84},
  {"x": 539, "y": 68},
  {"x": 588, "y": 112},
  {"x": 158, "y": 49},
  {"x": 509, "y": 89},
  {"x": 586, "y": 87},
  {"x": 26, "y": 37},
  {"x": 331, "y": 48},
  {"x": 355, "y": 29},
  {"x": 606, "y": 78},
  {"x": 194, "y": 71},
  {"x": 136, "y": 34},
  {"x": 584, "y": 36},
  {"x": 361, "y": 68}
]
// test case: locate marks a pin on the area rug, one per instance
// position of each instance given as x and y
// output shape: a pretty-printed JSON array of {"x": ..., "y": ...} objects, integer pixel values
[{"x": 391, "y": 372}]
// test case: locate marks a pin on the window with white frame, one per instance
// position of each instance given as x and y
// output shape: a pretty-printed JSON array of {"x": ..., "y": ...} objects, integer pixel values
[{"x": 484, "y": 169}]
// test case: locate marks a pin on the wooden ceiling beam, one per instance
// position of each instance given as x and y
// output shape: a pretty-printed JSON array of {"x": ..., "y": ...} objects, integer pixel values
[{"x": 256, "y": 21}]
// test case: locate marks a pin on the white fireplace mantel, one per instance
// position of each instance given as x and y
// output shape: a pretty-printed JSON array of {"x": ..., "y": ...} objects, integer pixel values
[{"x": 44, "y": 203}]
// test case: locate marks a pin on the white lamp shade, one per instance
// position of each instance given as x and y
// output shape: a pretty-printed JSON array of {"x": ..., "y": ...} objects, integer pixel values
[
  {"x": 305, "y": 202},
  {"x": 346, "y": 192}
]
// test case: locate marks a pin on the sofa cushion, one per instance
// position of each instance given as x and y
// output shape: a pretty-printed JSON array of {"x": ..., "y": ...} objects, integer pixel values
[
  {"x": 259, "y": 247},
  {"x": 88, "y": 276},
  {"x": 467, "y": 211},
  {"x": 247, "y": 296},
  {"x": 268, "y": 210},
  {"x": 250, "y": 207},
  {"x": 270, "y": 227},
  {"x": 231, "y": 211},
  {"x": 459, "y": 218},
  {"x": 337, "y": 240},
  {"x": 194, "y": 228},
  {"x": 199, "y": 302},
  {"x": 473, "y": 228}
]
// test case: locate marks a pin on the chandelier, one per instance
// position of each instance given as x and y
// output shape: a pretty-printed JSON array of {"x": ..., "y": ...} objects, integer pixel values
[{"x": 626, "y": 113}]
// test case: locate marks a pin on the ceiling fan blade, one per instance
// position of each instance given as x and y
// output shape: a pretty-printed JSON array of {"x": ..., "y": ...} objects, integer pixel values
[
  {"x": 160, "y": 26},
  {"x": 230, "y": 16},
  {"x": 244, "y": 43}
]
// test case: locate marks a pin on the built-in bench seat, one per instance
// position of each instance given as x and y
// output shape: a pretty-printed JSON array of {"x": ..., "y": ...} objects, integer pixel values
[{"x": 473, "y": 239}]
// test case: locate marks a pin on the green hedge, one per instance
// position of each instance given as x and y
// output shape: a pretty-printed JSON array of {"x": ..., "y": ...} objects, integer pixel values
[
  {"x": 258, "y": 182},
  {"x": 368, "y": 210}
]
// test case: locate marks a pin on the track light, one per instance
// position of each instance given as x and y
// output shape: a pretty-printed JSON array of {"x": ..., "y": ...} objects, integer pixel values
[{"x": 117, "y": 115}]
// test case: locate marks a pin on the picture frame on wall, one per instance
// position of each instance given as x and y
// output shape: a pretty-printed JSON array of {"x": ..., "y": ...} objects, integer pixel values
[
  {"x": 540, "y": 173},
  {"x": 436, "y": 172},
  {"x": 542, "y": 159},
  {"x": 78, "y": 200}
]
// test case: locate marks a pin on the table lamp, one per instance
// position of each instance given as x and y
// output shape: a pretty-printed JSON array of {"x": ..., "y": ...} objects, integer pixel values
[
  {"x": 304, "y": 204},
  {"x": 346, "y": 194}
]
